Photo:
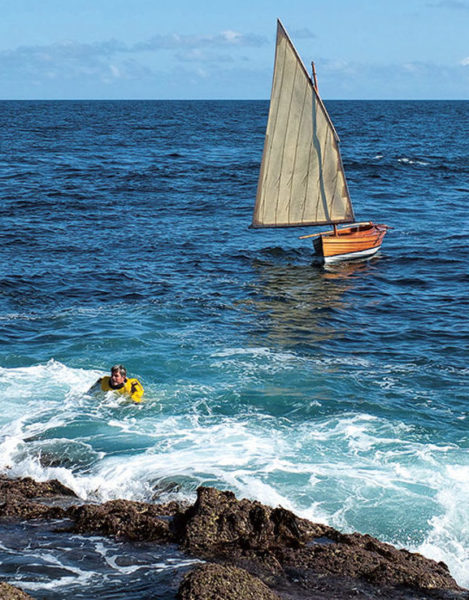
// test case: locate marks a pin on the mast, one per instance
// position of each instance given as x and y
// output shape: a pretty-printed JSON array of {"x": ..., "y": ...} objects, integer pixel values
[{"x": 315, "y": 81}]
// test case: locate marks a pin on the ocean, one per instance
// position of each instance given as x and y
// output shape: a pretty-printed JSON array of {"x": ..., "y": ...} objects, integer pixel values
[{"x": 337, "y": 392}]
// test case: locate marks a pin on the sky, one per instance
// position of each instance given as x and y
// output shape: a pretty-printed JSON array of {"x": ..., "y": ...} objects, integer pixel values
[{"x": 213, "y": 49}]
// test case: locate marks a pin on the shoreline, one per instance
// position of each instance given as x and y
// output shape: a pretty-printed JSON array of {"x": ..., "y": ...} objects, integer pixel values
[{"x": 249, "y": 549}]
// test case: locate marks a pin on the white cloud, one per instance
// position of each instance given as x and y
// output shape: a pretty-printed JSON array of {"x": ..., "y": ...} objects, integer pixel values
[
  {"x": 410, "y": 67},
  {"x": 69, "y": 56},
  {"x": 176, "y": 41},
  {"x": 232, "y": 36},
  {"x": 304, "y": 33},
  {"x": 115, "y": 71},
  {"x": 221, "y": 64},
  {"x": 451, "y": 4}
]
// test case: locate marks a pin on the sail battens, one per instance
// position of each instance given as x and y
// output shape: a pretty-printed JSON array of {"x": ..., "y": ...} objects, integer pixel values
[{"x": 301, "y": 179}]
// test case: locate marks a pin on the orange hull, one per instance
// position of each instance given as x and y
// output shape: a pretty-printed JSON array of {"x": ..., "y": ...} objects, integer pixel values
[{"x": 357, "y": 241}]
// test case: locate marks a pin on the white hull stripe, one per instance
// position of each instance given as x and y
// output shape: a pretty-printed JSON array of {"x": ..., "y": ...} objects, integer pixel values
[{"x": 351, "y": 255}]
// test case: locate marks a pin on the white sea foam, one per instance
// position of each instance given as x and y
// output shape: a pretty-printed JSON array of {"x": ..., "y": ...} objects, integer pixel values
[
  {"x": 448, "y": 538},
  {"x": 253, "y": 361},
  {"x": 48, "y": 561},
  {"x": 112, "y": 556},
  {"x": 76, "y": 576},
  {"x": 352, "y": 470},
  {"x": 412, "y": 161}
]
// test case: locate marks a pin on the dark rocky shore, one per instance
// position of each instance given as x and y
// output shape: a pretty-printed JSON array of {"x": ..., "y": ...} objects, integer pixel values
[{"x": 251, "y": 551}]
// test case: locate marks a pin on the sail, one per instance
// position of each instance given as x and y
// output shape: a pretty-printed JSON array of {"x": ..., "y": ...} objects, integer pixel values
[{"x": 301, "y": 181}]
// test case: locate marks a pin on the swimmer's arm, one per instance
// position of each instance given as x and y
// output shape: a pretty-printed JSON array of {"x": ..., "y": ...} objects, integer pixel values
[
  {"x": 136, "y": 391},
  {"x": 96, "y": 387}
]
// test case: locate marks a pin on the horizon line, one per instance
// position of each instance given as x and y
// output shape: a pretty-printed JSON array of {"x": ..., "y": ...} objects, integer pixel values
[{"x": 226, "y": 99}]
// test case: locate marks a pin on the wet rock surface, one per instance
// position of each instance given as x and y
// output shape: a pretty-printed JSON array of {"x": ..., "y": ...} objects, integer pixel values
[
  {"x": 308, "y": 560},
  {"x": 255, "y": 549},
  {"x": 136, "y": 521},
  {"x": 9, "y": 592},
  {"x": 28, "y": 499},
  {"x": 219, "y": 581}
]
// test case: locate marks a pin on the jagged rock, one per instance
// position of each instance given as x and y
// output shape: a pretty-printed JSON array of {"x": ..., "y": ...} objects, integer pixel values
[
  {"x": 294, "y": 557},
  {"x": 126, "y": 519},
  {"x": 218, "y": 521},
  {"x": 30, "y": 510},
  {"x": 20, "y": 498},
  {"x": 28, "y": 488},
  {"x": 219, "y": 582},
  {"x": 9, "y": 592},
  {"x": 220, "y": 527}
]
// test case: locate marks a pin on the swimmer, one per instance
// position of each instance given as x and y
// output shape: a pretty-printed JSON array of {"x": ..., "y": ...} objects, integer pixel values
[{"x": 119, "y": 383}]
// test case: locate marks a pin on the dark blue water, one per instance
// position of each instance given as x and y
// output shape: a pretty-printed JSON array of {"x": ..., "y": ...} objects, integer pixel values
[
  {"x": 55, "y": 566},
  {"x": 340, "y": 393}
]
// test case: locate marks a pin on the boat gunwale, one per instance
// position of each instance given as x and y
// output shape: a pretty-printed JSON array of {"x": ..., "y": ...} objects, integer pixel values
[{"x": 355, "y": 232}]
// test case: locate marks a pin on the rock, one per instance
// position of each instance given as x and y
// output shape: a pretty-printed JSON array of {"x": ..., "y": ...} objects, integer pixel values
[
  {"x": 218, "y": 522},
  {"x": 266, "y": 549},
  {"x": 219, "y": 582},
  {"x": 21, "y": 498},
  {"x": 135, "y": 521},
  {"x": 9, "y": 592},
  {"x": 274, "y": 542},
  {"x": 28, "y": 488},
  {"x": 30, "y": 510}
]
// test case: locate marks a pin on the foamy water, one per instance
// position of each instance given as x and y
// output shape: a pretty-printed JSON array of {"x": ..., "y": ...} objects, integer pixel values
[{"x": 354, "y": 471}]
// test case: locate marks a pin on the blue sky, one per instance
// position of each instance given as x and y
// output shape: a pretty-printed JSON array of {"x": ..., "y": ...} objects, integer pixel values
[{"x": 165, "y": 49}]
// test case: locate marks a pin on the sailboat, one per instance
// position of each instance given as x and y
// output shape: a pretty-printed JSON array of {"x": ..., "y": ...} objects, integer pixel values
[{"x": 302, "y": 180}]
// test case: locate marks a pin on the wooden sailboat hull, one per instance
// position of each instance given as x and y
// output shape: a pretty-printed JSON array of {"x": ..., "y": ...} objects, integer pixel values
[{"x": 354, "y": 242}]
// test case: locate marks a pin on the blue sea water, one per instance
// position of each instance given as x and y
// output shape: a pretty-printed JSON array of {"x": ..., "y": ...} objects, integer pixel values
[{"x": 339, "y": 393}]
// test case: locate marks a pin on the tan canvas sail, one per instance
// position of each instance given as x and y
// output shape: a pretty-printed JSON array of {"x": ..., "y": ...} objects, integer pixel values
[{"x": 301, "y": 181}]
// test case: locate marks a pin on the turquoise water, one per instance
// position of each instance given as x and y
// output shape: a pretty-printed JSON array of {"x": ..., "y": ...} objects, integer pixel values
[{"x": 339, "y": 393}]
